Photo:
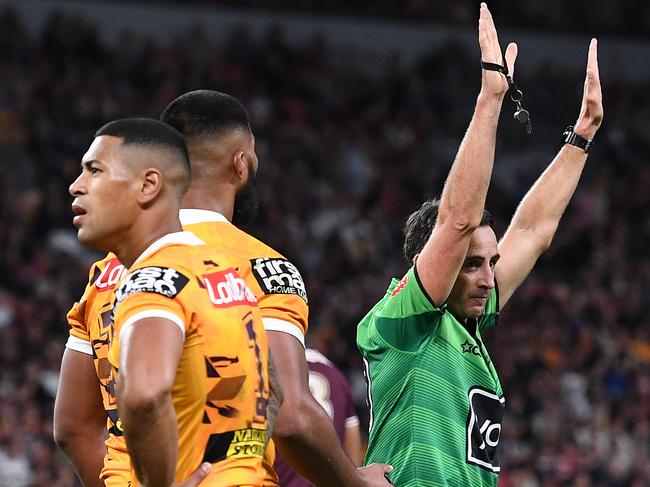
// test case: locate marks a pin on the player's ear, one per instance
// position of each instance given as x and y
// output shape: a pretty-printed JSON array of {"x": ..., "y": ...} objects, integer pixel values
[
  {"x": 415, "y": 258},
  {"x": 240, "y": 167},
  {"x": 151, "y": 181}
]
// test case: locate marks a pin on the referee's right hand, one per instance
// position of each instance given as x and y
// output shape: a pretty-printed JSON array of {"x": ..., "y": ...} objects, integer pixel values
[{"x": 493, "y": 83}]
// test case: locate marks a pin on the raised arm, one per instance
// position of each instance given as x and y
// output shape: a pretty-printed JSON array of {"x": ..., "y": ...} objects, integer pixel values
[
  {"x": 463, "y": 196},
  {"x": 534, "y": 223}
]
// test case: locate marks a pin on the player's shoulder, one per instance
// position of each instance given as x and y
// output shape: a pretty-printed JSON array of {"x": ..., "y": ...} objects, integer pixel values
[
  {"x": 105, "y": 273},
  {"x": 174, "y": 249},
  {"x": 104, "y": 261},
  {"x": 215, "y": 229},
  {"x": 255, "y": 247},
  {"x": 167, "y": 264}
]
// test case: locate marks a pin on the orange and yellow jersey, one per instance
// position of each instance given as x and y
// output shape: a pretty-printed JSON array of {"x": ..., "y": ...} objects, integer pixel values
[
  {"x": 91, "y": 331},
  {"x": 221, "y": 390},
  {"x": 276, "y": 282}
]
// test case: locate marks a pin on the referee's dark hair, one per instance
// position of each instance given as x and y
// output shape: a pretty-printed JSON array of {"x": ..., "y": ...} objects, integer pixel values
[
  {"x": 419, "y": 226},
  {"x": 205, "y": 113}
]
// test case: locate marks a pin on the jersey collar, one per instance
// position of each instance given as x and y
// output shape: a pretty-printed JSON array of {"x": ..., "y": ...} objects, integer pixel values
[
  {"x": 190, "y": 216},
  {"x": 174, "y": 238}
]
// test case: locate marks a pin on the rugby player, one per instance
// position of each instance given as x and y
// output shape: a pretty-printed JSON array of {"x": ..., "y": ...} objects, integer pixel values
[
  {"x": 188, "y": 353},
  {"x": 224, "y": 165},
  {"x": 436, "y": 400}
]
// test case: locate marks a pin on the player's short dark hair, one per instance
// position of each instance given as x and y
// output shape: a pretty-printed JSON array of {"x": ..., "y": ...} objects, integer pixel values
[
  {"x": 203, "y": 113},
  {"x": 150, "y": 132},
  {"x": 147, "y": 131},
  {"x": 419, "y": 226}
]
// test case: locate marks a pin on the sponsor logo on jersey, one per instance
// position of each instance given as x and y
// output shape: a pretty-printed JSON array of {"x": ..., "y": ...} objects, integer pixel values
[
  {"x": 400, "y": 286},
  {"x": 484, "y": 428},
  {"x": 165, "y": 281},
  {"x": 468, "y": 347},
  {"x": 110, "y": 276},
  {"x": 239, "y": 443},
  {"x": 247, "y": 442},
  {"x": 278, "y": 276},
  {"x": 226, "y": 288}
]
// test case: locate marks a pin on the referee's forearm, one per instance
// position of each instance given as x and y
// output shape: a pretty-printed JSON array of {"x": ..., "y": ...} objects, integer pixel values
[
  {"x": 540, "y": 211},
  {"x": 463, "y": 196}
]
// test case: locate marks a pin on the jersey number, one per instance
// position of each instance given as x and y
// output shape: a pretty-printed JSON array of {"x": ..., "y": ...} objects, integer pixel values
[{"x": 261, "y": 401}]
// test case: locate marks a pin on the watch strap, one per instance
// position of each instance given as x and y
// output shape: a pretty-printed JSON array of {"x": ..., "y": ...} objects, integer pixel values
[{"x": 571, "y": 138}]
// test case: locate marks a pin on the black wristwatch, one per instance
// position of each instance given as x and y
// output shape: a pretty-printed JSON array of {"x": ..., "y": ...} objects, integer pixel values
[{"x": 570, "y": 137}]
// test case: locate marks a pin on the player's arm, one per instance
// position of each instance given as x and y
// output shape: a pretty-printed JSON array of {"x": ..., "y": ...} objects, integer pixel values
[
  {"x": 352, "y": 432},
  {"x": 304, "y": 432},
  {"x": 79, "y": 417},
  {"x": 150, "y": 350},
  {"x": 463, "y": 197},
  {"x": 534, "y": 223},
  {"x": 275, "y": 397},
  {"x": 352, "y": 443}
]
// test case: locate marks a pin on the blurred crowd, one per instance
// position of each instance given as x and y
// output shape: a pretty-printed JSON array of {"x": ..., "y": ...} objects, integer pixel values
[
  {"x": 626, "y": 17},
  {"x": 349, "y": 145}
]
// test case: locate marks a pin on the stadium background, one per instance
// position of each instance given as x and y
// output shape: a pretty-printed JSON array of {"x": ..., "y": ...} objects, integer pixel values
[{"x": 354, "y": 130}]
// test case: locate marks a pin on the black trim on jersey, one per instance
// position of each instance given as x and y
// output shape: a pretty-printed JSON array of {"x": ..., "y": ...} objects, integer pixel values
[
  {"x": 496, "y": 292},
  {"x": 424, "y": 291}
]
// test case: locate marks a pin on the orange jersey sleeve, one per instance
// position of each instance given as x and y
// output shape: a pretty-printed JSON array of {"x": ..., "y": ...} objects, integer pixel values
[
  {"x": 276, "y": 282},
  {"x": 91, "y": 330},
  {"x": 102, "y": 277},
  {"x": 221, "y": 391}
]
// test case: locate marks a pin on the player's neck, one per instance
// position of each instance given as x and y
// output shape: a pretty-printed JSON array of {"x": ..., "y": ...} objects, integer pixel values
[
  {"x": 219, "y": 198},
  {"x": 141, "y": 235}
]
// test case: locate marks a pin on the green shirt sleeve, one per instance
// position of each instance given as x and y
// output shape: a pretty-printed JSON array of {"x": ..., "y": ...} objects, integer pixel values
[{"x": 408, "y": 319}]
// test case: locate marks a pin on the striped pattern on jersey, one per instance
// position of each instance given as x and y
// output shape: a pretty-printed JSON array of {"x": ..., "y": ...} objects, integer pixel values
[{"x": 436, "y": 400}]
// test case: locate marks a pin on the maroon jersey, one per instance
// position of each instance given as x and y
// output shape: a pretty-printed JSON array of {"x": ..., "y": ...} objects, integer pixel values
[{"x": 332, "y": 391}]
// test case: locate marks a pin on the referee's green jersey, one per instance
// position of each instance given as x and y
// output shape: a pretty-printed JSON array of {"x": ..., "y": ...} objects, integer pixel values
[{"x": 435, "y": 398}]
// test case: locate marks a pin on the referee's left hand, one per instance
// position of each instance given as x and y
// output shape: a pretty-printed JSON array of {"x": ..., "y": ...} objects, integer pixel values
[{"x": 591, "y": 111}]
